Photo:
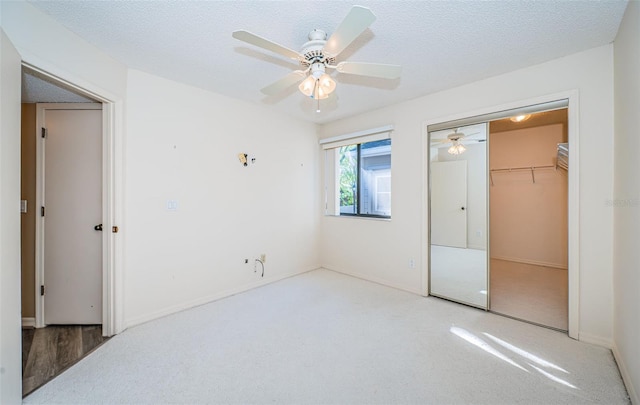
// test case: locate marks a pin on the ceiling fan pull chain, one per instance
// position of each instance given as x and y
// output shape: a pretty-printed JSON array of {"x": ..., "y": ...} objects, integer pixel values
[{"x": 316, "y": 92}]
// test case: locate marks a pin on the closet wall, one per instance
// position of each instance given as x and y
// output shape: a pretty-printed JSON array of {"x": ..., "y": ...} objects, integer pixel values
[{"x": 528, "y": 220}]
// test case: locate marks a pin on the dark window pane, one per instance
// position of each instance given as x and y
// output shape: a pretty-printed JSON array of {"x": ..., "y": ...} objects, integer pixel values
[{"x": 365, "y": 178}]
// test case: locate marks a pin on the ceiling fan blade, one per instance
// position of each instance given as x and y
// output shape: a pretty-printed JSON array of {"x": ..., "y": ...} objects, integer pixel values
[
  {"x": 467, "y": 136},
  {"x": 354, "y": 24},
  {"x": 264, "y": 43},
  {"x": 370, "y": 69},
  {"x": 280, "y": 85}
]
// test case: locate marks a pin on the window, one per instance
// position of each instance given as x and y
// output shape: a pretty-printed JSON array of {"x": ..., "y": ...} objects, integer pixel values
[
  {"x": 357, "y": 173},
  {"x": 364, "y": 178}
]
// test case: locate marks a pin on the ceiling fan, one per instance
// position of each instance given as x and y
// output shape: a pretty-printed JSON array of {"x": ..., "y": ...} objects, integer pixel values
[
  {"x": 455, "y": 139},
  {"x": 319, "y": 54}
]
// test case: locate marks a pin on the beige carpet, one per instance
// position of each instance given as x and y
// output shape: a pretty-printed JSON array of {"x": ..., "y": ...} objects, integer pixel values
[
  {"x": 532, "y": 293},
  {"x": 326, "y": 338}
]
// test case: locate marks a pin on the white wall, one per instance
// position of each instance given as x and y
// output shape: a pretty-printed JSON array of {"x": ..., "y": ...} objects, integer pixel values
[
  {"x": 626, "y": 202},
  {"x": 381, "y": 251},
  {"x": 183, "y": 144},
  {"x": 10, "y": 319}
]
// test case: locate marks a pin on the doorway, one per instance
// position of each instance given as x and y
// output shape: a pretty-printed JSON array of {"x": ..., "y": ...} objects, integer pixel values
[
  {"x": 62, "y": 187},
  {"x": 528, "y": 218},
  {"x": 527, "y": 231},
  {"x": 41, "y": 86}
]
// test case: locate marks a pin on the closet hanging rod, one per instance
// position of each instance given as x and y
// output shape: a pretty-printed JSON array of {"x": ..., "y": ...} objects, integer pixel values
[
  {"x": 513, "y": 169},
  {"x": 516, "y": 169}
]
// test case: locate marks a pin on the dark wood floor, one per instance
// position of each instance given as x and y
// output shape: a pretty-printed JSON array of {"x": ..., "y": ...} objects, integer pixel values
[{"x": 47, "y": 352}]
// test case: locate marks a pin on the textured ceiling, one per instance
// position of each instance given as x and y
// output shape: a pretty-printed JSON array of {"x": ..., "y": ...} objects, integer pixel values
[{"x": 440, "y": 44}]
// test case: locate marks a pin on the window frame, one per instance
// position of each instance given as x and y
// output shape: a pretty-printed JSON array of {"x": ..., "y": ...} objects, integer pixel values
[
  {"x": 331, "y": 145},
  {"x": 358, "y": 191}
]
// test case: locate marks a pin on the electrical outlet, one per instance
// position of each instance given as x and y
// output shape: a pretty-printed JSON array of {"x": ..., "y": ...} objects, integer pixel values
[
  {"x": 412, "y": 264},
  {"x": 263, "y": 258}
]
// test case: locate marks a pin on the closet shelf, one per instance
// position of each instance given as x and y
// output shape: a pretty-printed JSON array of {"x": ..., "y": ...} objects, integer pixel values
[{"x": 562, "y": 159}]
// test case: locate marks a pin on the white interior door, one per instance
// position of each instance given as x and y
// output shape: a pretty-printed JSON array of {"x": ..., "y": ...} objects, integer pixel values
[
  {"x": 73, "y": 204},
  {"x": 11, "y": 368},
  {"x": 449, "y": 203}
]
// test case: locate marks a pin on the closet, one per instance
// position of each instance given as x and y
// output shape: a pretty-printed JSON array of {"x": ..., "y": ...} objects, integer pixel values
[{"x": 498, "y": 215}]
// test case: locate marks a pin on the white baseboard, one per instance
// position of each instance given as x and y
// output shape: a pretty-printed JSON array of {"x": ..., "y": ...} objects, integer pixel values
[
  {"x": 28, "y": 322},
  {"x": 595, "y": 340},
  {"x": 207, "y": 299},
  {"x": 533, "y": 262},
  {"x": 628, "y": 382},
  {"x": 376, "y": 280}
]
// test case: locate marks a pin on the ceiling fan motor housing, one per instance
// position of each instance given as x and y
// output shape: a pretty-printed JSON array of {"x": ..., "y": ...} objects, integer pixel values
[
  {"x": 317, "y": 70},
  {"x": 313, "y": 50}
]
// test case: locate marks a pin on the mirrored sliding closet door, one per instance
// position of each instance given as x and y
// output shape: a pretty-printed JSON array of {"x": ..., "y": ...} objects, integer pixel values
[
  {"x": 458, "y": 214},
  {"x": 498, "y": 212}
]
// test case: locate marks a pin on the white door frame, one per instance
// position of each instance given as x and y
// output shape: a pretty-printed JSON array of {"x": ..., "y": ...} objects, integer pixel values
[
  {"x": 573, "y": 194},
  {"x": 112, "y": 296}
]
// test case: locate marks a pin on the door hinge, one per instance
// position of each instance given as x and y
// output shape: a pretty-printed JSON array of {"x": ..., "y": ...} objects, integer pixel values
[
  {"x": 42, "y": 211},
  {"x": 44, "y": 133},
  {"x": 114, "y": 229},
  {"x": 41, "y": 290}
]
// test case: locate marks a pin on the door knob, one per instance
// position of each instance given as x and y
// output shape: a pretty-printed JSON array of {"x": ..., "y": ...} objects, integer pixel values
[{"x": 98, "y": 227}]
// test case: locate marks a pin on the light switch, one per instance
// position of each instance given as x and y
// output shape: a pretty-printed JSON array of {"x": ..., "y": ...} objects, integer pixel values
[
  {"x": 172, "y": 205},
  {"x": 23, "y": 206}
]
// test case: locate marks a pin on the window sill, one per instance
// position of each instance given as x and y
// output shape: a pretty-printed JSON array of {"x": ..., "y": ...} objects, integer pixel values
[{"x": 383, "y": 219}]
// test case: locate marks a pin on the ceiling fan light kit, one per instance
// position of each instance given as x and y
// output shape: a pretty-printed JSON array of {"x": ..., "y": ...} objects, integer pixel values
[
  {"x": 320, "y": 53},
  {"x": 457, "y": 148},
  {"x": 318, "y": 85}
]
